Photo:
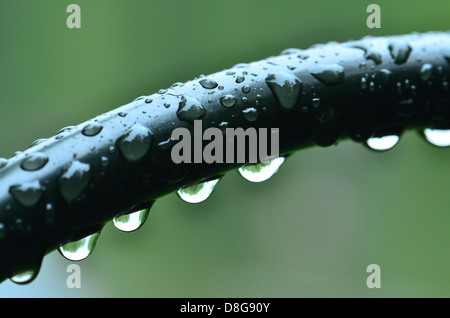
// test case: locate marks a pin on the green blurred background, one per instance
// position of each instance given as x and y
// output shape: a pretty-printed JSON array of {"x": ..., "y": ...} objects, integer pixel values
[{"x": 310, "y": 231}]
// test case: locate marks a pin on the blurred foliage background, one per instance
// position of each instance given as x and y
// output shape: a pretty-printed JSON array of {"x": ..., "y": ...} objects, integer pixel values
[{"x": 310, "y": 231}]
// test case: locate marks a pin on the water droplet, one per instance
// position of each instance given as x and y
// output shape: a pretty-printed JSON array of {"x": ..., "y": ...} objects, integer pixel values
[
  {"x": 34, "y": 161},
  {"x": 285, "y": 87},
  {"x": 92, "y": 129},
  {"x": 316, "y": 102},
  {"x": 65, "y": 129},
  {"x": 132, "y": 221},
  {"x": 331, "y": 74},
  {"x": 425, "y": 72},
  {"x": 3, "y": 162},
  {"x": 261, "y": 171},
  {"x": 386, "y": 76},
  {"x": 104, "y": 161},
  {"x": 148, "y": 100},
  {"x": 363, "y": 83},
  {"x": 251, "y": 114},
  {"x": 374, "y": 57},
  {"x": 135, "y": 143},
  {"x": 79, "y": 250},
  {"x": 246, "y": 88},
  {"x": 37, "y": 142},
  {"x": 74, "y": 180},
  {"x": 122, "y": 114},
  {"x": 399, "y": 51},
  {"x": 240, "y": 79},
  {"x": 208, "y": 83},
  {"x": 190, "y": 109},
  {"x": 228, "y": 100},
  {"x": 198, "y": 192},
  {"x": 25, "y": 277},
  {"x": 28, "y": 194},
  {"x": 437, "y": 137},
  {"x": 382, "y": 143}
]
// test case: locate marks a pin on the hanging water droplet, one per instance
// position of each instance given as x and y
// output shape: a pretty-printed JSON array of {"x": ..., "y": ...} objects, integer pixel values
[
  {"x": 92, "y": 129},
  {"x": 285, "y": 87},
  {"x": 79, "y": 250},
  {"x": 382, "y": 143},
  {"x": 34, "y": 161},
  {"x": 261, "y": 171},
  {"x": 331, "y": 74},
  {"x": 74, "y": 180},
  {"x": 28, "y": 194},
  {"x": 425, "y": 72},
  {"x": 25, "y": 277},
  {"x": 190, "y": 109},
  {"x": 437, "y": 137},
  {"x": 228, "y": 100},
  {"x": 132, "y": 221},
  {"x": 251, "y": 114},
  {"x": 208, "y": 83},
  {"x": 135, "y": 144},
  {"x": 399, "y": 51},
  {"x": 198, "y": 192}
]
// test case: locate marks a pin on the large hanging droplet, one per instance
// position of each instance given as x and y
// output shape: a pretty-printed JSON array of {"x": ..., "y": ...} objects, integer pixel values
[
  {"x": 132, "y": 221},
  {"x": 28, "y": 275},
  {"x": 79, "y": 250},
  {"x": 285, "y": 87},
  {"x": 74, "y": 180},
  {"x": 261, "y": 171},
  {"x": 92, "y": 129},
  {"x": 28, "y": 194},
  {"x": 25, "y": 277},
  {"x": 382, "y": 143},
  {"x": 330, "y": 74},
  {"x": 437, "y": 137},
  {"x": 135, "y": 143},
  {"x": 190, "y": 109},
  {"x": 198, "y": 192},
  {"x": 34, "y": 161}
]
